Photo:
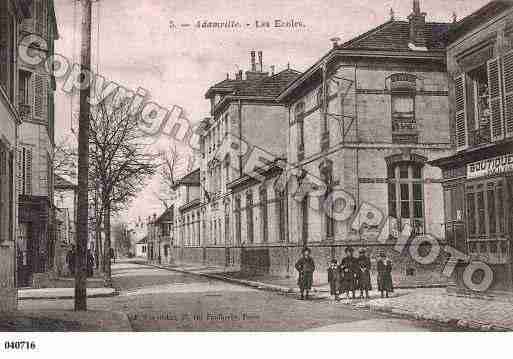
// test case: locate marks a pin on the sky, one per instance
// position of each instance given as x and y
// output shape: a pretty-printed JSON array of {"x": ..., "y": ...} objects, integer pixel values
[{"x": 134, "y": 46}]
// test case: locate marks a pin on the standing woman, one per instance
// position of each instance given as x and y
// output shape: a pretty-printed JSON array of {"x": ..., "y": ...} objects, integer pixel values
[
  {"x": 305, "y": 266},
  {"x": 384, "y": 267}
]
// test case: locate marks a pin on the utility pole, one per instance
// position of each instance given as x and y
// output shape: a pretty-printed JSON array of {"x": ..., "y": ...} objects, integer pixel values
[{"x": 83, "y": 164}]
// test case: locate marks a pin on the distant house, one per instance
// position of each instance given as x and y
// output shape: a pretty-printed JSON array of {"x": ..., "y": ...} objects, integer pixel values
[{"x": 141, "y": 247}]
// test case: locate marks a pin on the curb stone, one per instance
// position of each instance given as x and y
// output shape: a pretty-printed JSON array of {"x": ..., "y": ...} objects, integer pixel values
[{"x": 115, "y": 293}]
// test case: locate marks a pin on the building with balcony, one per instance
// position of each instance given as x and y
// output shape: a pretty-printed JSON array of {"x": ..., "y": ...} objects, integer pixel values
[
  {"x": 35, "y": 102},
  {"x": 364, "y": 121},
  {"x": 12, "y": 14},
  {"x": 477, "y": 176}
]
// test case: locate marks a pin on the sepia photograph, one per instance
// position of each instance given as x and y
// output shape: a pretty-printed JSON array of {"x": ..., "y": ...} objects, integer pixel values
[{"x": 254, "y": 166}]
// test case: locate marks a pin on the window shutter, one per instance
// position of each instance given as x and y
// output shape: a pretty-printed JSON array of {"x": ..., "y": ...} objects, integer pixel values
[
  {"x": 507, "y": 68},
  {"x": 460, "y": 123},
  {"x": 40, "y": 97},
  {"x": 28, "y": 171},
  {"x": 495, "y": 90},
  {"x": 19, "y": 173}
]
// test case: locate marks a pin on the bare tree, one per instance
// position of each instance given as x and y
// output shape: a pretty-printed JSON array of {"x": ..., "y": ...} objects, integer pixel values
[{"x": 120, "y": 164}]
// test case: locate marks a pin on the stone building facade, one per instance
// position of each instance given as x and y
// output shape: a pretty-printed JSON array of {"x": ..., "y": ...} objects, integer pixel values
[
  {"x": 364, "y": 122},
  {"x": 12, "y": 14},
  {"x": 478, "y": 182},
  {"x": 245, "y": 120}
]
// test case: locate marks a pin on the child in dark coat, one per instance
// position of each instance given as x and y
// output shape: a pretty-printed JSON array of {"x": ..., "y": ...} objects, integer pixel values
[
  {"x": 384, "y": 267},
  {"x": 364, "y": 279},
  {"x": 334, "y": 278}
]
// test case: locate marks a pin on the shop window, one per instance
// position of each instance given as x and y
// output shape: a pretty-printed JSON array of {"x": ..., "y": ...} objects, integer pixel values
[
  {"x": 485, "y": 208},
  {"x": 504, "y": 247},
  {"x": 405, "y": 195},
  {"x": 493, "y": 247},
  {"x": 473, "y": 247}
]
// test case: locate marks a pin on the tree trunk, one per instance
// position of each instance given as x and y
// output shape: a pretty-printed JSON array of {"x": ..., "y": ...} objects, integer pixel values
[{"x": 107, "y": 247}]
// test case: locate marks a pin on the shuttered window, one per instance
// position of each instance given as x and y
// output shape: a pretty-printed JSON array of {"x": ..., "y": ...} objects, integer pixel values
[
  {"x": 25, "y": 171},
  {"x": 40, "y": 96},
  {"x": 461, "y": 136},
  {"x": 494, "y": 85},
  {"x": 507, "y": 66}
]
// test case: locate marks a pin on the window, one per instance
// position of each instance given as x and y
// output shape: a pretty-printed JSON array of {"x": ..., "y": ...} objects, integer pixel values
[
  {"x": 405, "y": 195},
  {"x": 304, "y": 219},
  {"x": 478, "y": 113},
  {"x": 485, "y": 202},
  {"x": 25, "y": 171},
  {"x": 227, "y": 223},
  {"x": 23, "y": 88},
  {"x": 263, "y": 214},
  {"x": 404, "y": 126},
  {"x": 299, "y": 119},
  {"x": 237, "y": 219},
  {"x": 454, "y": 217},
  {"x": 249, "y": 216},
  {"x": 281, "y": 210},
  {"x": 329, "y": 223}
]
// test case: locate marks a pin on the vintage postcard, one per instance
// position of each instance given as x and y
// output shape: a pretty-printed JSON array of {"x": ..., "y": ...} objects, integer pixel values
[{"x": 255, "y": 166}]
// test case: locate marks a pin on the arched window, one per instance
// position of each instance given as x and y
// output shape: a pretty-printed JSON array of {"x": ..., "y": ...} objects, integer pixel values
[
  {"x": 281, "y": 213},
  {"x": 406, "y": 194}
]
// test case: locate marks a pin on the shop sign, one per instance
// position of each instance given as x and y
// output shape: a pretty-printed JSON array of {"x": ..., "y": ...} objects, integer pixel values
[{"x": 490, "y": 167}]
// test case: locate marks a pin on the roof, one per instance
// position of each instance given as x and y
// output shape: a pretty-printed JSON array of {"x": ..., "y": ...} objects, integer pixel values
[
  {"x": 190, "y": 179},
  {"x": 62, "y": 183},
  {"x": 480, "y": 16},
  {"x": 391, "y": 38},
  {"x": 395, "y": 35},
  {"x": 268, "y": 86}
]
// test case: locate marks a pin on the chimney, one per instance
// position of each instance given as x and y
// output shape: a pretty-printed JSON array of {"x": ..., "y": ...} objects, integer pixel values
[
  {"x": 253, "y": 63},
  {"x": 238, "y": 75},
  {"x": 256, "y": 74},
  {"x": 334, "y": 41},
  {"x": 272, "y": 70},
  {"x": 417, "y": 21}
]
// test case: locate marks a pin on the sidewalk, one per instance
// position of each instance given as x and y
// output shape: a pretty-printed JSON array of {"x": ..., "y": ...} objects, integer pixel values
[
  {"x": 63, "y": 293},
  {"x": 64, "y": 321},
  {"x": 415, "y": 303}
]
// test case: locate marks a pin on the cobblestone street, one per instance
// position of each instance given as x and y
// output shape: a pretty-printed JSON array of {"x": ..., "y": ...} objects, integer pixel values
[{"x": 158, "y": 299}]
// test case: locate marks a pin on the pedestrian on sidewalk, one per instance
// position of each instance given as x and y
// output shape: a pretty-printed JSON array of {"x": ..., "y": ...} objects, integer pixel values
[
  {"x": 334, "y": 278},
  {"x": 349, "y": 268},
  {"x": 112, "y": 255},
  {"x": 364, "y": 279},
  {"x": 90, "y": 263},
  {"x": 384, "y": 267},
  {"x": 305, "y": 266},
  {"x": 70, "y": 260}
]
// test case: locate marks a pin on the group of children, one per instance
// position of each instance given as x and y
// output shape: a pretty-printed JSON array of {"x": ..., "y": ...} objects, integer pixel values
[{"x": 353, "y": 274}]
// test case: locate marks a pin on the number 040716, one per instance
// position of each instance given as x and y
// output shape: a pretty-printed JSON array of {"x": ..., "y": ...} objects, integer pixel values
[{"x": 19, "y": 345}]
